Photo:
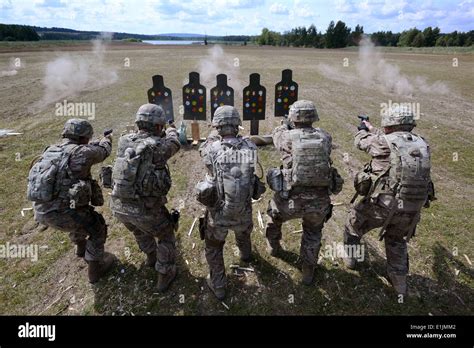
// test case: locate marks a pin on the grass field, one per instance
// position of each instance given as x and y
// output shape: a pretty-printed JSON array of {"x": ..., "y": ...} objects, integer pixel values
[{"x": 441, "y": 273}]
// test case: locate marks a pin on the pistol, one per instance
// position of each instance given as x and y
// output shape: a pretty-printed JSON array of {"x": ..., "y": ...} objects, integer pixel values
[
  {"x": 108, "y": 131},
  {"x": 362, "y": 125}
]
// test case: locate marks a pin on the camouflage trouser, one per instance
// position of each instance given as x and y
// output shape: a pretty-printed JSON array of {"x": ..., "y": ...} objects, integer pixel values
[
  {"x": 313, "y": 214},
  {"x": 146, "y": 228},
  {"x": 80, "y": 223},
  {"x": 215, "y": 235},
  {"x": 366, "y": 215}
]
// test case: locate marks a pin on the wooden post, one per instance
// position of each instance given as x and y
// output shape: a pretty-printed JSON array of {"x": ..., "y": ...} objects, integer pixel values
[
  {"x": 195, "y": 132},
  {"x": 254, "y": 127}
]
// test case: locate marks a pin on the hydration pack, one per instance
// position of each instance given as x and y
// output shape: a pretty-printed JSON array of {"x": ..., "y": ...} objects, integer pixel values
[
  {"x": 50, "y": 174},
  {"x": 311, "y": 159},
  {"x": 234, "y": 169},
  {"x": 134, "y": 174},
  {"x": 410, "y": 165}
]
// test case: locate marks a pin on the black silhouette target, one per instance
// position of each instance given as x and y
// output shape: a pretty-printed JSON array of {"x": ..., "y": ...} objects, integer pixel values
[
  {"x": 286, "y": 93},
  {"x": 255, "y": 96},
  {"x": 194, "y": 99},
  {"x": 159, "y": 94},
  {"x": 221, "y": 94}
]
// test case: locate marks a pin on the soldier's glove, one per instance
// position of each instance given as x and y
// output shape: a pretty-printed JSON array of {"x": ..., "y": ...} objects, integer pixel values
[
  {"x": 362, "y": 126},
  {"x": 171, "y": 124},
  {"x": 286, "y": 122}
]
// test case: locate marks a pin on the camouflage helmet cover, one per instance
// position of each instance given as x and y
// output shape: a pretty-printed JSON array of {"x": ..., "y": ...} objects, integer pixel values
[
  {"x": 303, "y": 111},
  {"x": 76, "y": 128},
  {"x": 226, "y": 116},
  {"x": 398, "y": 115},
  {"x": 151, "y": 113}
]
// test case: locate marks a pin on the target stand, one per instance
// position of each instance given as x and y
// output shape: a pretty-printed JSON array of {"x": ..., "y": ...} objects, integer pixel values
[
  {"x": 286, "y": 93},
  {"x": 160, "y": 95},
  {"x": 222, "y": 94},
  {"x": 194, "y": 104},
  {"x": 254, "y": 103}
]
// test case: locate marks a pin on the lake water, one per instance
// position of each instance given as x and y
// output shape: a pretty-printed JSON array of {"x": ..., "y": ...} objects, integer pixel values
[{"x": 172, "y": 42}]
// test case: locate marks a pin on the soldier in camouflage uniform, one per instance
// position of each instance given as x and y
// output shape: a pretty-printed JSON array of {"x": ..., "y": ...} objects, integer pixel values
[
  {"x": 226, "y": 211},
  {"x": 381, "y": 207},
  {"x": 144, "y": 213},
  {"x": 86, "y": 227},
  {"x": 310, "y": 202}
]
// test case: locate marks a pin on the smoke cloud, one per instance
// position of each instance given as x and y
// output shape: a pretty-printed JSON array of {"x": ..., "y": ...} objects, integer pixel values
[
  {"x": 68, "y": 76},
  {"x": 218, "y": 62},
  {"x": 374, "y": 71}
]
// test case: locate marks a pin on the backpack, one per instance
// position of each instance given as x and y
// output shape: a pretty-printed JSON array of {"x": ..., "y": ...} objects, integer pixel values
[
  {"x": 410, "y": 165},
  {"x": 234, "y": 170},
  {"x": 47, "y": 175},
  {"x": 311, "y": 159},
  {"x": 134, "y": 174}
]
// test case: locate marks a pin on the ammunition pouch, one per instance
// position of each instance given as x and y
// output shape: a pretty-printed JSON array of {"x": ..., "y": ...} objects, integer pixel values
[
  {"x": 105, "y": 176},
  {"x": 80, "y": 193},
  {"x": 206, "y": 192},
  {"x": 275, "y": 179},
  {"x": 363, "y": 183}
]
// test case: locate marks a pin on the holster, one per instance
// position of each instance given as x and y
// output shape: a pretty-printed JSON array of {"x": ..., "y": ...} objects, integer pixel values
[
  {"x": 203, "y": 225},
  {"x": 329, "y": 214}
]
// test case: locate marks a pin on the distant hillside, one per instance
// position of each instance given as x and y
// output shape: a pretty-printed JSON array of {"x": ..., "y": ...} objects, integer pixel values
[{"x": 71, "y": 34}]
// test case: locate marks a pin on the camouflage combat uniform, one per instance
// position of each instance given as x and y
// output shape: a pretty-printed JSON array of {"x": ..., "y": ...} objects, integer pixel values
[
  {"x": 372, "y": 211},
  {"x": 82, "y": 221},
  {"x": 216, "y": 227},
  {"x": 312, "y": 204},
  {"x": 147, "y": 217}
]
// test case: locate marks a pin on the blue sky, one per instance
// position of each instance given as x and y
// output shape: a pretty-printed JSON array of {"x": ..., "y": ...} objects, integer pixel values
[{"x": 221, "y": 17}]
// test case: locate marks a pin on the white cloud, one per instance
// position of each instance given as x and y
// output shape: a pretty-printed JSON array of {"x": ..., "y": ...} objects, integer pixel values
[{"x": 279, "y": 9}]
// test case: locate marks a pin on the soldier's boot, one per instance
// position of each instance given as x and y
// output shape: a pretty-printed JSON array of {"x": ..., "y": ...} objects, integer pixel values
[
  {"x": 399, "y": 283},
  {"x": 350, "y": 244},
  {"x": 308, "y": 274},
  {"x": 81, "y": 248},
  {"x": 151, "y": 259},
  {"x": 274, "y": 248},
  {"x": 165, "y": 280},
  {"x": 245, "y": 247},
  {"x": 218, "y": 291},
  {"x": 97, "y": 269}
]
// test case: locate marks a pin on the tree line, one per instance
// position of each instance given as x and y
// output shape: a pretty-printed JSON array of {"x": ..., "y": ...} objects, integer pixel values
[
  {"x": 340, "y": 35},
  {"x": 13, "y": 32}
]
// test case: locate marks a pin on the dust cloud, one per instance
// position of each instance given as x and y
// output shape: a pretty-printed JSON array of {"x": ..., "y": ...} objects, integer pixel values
[
  {"x": 68, "y": 76},
  {"x": 373, "y": 71},
  {"x": 218, "y": 62}
]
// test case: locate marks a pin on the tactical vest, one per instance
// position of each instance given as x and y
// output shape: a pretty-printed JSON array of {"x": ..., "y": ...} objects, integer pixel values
[
  {"x": 234, "y": 170},
  {"x": 311, "y": 164},
  {"x": 134, "y": 174},
  {"x": 50, "y": 177},
  {"x": 410, "y": 165}
]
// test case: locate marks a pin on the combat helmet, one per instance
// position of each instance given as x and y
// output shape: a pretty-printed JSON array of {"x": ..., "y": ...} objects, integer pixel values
[
  {"x": 226, "y": 116},
  {"x": 303, "y": 111},
  {"x": 398, "y": 116},
  {"x": 152, "y": 114},
  {"x": 76, "y": 128}
]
